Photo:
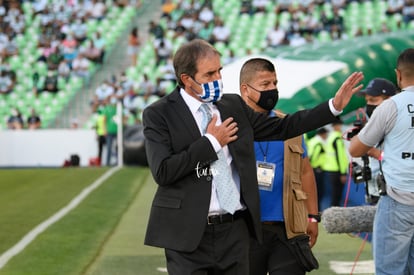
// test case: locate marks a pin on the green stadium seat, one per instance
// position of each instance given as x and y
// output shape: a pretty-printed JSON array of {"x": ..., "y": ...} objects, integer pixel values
[
  {"x": 324, "y": 36},
  {"x": 38, "y": 105},
  {"x": 46, "y": 98},
  {"x": 63, "y": 97}
]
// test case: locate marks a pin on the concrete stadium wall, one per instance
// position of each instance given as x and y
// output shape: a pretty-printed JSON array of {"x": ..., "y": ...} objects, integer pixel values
[{"x": 46, "y": 148}]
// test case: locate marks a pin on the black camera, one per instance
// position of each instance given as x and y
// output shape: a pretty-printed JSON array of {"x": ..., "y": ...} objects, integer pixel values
[
  {"x": 361, "y": 173},
  {"x": 358, "y": 125},
  {"x": 382, "y": 185}
]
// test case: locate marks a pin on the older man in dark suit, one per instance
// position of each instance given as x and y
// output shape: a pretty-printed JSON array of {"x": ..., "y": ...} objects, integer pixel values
[{"x": 202, "y": 230}]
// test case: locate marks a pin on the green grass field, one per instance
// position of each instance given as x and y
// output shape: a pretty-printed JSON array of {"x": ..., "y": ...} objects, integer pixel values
[{"x": 104, "y": 233}]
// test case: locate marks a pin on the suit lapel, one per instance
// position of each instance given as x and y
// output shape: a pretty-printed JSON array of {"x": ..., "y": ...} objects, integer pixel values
[
  {"x": 223, "y": 109},
  {"x": 180, "y": 107}
]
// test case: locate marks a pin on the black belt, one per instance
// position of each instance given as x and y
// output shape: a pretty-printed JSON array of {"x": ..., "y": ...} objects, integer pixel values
[{"x": 224, "y": 218}]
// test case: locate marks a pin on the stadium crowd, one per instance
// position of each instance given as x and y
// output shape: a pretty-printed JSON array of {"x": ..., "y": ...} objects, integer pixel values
[
  {"x": 68, "y": 45},
  {"x": 44, "y": 45}
]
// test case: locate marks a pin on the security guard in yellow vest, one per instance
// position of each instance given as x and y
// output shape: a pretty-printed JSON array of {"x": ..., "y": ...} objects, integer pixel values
[
  {"x": 336, "y": 163},
  {"x": 100, "y": 132}
]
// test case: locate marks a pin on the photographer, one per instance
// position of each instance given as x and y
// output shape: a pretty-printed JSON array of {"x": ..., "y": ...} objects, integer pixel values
[
  {"x": 393, "y": 122},
  {"x": 377, "y": 90}
]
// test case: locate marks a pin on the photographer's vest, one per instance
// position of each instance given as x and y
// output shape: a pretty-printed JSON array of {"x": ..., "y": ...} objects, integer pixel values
[
  {"x": 294, "y": 208},
  {"x": 398, "y": 162},
  {"x": 336, "y": 159}
]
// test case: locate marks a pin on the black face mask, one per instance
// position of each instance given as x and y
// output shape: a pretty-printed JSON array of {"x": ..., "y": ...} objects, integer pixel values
[
  {"x": 369, "y": 109},
  {"x": 267, "y": 99}
]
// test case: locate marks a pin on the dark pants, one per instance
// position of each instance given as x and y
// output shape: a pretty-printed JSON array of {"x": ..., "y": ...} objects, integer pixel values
[
  {"x": 334, "y": 180},
  {"x": 274, "y": 255},
  {"x": 223, "y": 250},
  {"x": 101, "y": 143},
  {"x": 320, "y": 184},
  {"x": 110, "y": 139}
]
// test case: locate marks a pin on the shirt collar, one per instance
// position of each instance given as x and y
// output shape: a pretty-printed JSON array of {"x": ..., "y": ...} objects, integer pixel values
[{"x": 191, "y": 102}]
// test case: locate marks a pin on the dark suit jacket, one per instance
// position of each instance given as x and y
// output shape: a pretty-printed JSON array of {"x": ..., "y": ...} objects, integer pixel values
[{"x": 175, "y": 148}]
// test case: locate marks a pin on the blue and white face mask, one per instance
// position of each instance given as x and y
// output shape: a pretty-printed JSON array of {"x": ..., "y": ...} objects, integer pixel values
[{"x": 212, "y": 91}]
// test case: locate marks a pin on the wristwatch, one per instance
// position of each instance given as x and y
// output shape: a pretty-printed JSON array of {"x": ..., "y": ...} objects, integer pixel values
[{"x": 314, "y": 217}]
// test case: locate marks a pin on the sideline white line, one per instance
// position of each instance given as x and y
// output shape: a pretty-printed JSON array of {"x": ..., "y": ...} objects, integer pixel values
[{"x": 29, "y": 237}]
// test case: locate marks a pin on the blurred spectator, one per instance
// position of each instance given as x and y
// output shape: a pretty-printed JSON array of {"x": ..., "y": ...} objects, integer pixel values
[
  {"x": 128, "y": 95},
  {"x": 11, "y": 48},
  {"x": 51, "y": 82},
  {"x": 125, "y": 83},
  {"x": 5, "y": 66},
  {"x": 80, "y": 67},
  {"x": 99, "y": 42},
  {"x": 134, "y": 42},
  {"x": 97, "y": 11},
  {"x": 168, "y": 7},
  {"x": 324, "y": 20},
  {"x": 46, "y": 49},
  {"x": 69, "y": 45},
  {"x": 17, "y": 23},
  {"x": 246, "y": 7},
  {"x": 310, "y": 19},
  {"x": 6, "y": 83},
  {"x": 187, "y": 20},
  {"x": 54, "y": 59},
  {"x": 91, "y": 52},
  {"x": 180, "y": 31},
  {"x": 276, "y": 36},
  {"x": 34, "y": 121},
  {"x": 64, "y": 70},
  {"x": 284, "y": 6},
  {"x": 260, "y": 5},
  {"x": 221, "y": 33},
  {"x": 296, "y": 39},
  {"x": 3, "y": 9},
  {"x": 394, "y": 7},
  {"x": 335, "y": 32},
  {"x": 231, "y": 57},
  {"x": 79, "y": 30},
  {"x": 339, "y": 3},
  {"x": 169, "y": 22},
  {"x": 146, "y": 87},
  {"x": 46, "y": 17},
  {"x": 102, "y": 92},
  {"x": 15, "y": 120},
  {"x": 408, "y": 11},
  {"x": 163, "y": 50},
  {"x": 336, "y": 20},
  {"x": 156, "y": 30},
  {"x": 109, "y": 111},
  {"x": 126, "y": 3},
  {"x": 206, "y": 31},
  {"x": 206, "y": 14},
  {"x": 4, "y": 41},
  {"x": 167, "y": 71},
  {"x": 160, "y": 87}
]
